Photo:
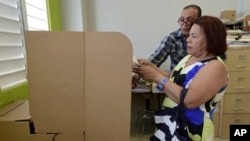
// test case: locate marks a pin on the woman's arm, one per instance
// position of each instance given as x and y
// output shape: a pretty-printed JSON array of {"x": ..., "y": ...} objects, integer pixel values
[
  {"x": 204, "y": 86},
  {"x": 206, "y": 83}
]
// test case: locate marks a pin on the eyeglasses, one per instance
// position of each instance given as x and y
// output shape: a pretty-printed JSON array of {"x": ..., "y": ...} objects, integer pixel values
[{"x": 181, "y": 21}]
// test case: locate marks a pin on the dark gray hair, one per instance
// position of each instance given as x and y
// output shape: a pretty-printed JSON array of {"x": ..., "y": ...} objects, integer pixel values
[{"x": 194, "y": 7}]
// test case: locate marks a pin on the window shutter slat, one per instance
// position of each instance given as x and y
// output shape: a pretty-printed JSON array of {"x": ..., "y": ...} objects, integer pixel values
[
  {"x": 9, "y": 66},
  {"x": 12, "y": 79},
  {"x": 8, "y": 52},
  {"x": 12, "y": 53},
  {"x": 10, "y": 12},
  {"x": 8, "y": 25}
]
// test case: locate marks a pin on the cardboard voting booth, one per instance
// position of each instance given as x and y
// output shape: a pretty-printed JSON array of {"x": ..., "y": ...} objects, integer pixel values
[
  {"x": 79, "y": 84},
  {"x": 15, "y": 123}
]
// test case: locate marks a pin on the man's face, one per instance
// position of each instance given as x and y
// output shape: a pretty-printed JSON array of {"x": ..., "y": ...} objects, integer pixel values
[{"x": 186, "y": 20}]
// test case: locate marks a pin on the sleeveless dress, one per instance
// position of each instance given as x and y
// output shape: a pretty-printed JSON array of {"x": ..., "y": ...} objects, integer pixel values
[{"x": 199, "y": 120}]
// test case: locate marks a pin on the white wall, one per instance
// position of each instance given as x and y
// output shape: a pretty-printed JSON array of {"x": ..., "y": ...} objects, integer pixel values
[
  {"x": 73, "y": 12},
  {"x": 145, "y": 22}
]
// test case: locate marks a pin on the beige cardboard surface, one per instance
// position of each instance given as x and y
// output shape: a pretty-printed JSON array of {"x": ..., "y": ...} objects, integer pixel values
[
  {"x": 69, "y": 137},
  {"x": 19, "y": 131},
  {"x": 10, "y": 107},
  {"x": 42, "y": 137},
  {"x": 14, "y": 124},
  {"x": 14, "y": 131},
  {"x": 55, "y": 65},
  {"x": 80, "y": 83},
  {"x": 17, "y": 111},
  {"x": 108, "y": 86},
  {"x": 12, "y": 128}
]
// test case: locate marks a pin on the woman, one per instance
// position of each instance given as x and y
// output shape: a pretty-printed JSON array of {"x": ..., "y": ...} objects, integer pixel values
[
  {"x": 174, "y": 45},
  {"x": 202, "y": 73}
]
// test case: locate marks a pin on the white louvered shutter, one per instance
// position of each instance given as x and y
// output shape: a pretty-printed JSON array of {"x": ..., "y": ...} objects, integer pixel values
[{"x": 12, "y": 50}]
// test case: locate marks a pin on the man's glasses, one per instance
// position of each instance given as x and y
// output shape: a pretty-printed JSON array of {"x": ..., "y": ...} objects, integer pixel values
[{"x": 181, "y": 21}]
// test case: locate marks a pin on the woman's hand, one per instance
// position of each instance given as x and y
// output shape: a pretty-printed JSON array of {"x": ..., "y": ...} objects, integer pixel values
[
  {"x": 148, "y": 72},
  {"x": 136, "y": 76},
  {"x": 135, "y": 79}
]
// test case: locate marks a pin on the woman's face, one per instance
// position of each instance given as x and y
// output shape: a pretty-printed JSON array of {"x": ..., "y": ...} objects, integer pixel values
[{"x": 196, "y": 42}]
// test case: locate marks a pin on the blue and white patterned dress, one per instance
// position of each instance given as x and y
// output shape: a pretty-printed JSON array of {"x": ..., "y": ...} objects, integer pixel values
[{"x": 199, "y": 120}]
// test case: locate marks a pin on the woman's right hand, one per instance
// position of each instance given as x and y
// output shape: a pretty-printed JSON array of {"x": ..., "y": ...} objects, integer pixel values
[{"x": 135, "y": 79}]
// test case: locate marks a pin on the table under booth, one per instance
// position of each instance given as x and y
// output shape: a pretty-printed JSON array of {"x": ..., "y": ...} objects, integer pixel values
[
  {"x": 143, "y": 116},
  {"x": 79, "y": 89}
]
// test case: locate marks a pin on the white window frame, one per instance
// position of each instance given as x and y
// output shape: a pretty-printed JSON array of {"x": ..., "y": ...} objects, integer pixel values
[
  {"x": 36, "y": 17},
  {"x": 14, "y": 20}
]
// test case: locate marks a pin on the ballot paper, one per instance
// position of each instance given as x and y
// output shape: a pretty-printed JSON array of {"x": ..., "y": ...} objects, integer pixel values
[{"x": 135, "y": 62}]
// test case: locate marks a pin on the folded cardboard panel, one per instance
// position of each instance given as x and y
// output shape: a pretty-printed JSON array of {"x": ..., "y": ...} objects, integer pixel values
[
  {"x": 55, "y": 65},
  {"x": 79, "y": 83},
  {"x": 15, "y": 124},
  {"x": 69, "y": 137},
  {"x": 14, "y": 131},
  {"x": 108, "y": 58},
  {"x": 16, "y": 111},
  {"x": 20, "y": 131}
]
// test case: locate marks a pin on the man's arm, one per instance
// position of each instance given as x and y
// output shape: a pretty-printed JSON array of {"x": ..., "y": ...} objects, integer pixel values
[{"x": 160, "y": 54}]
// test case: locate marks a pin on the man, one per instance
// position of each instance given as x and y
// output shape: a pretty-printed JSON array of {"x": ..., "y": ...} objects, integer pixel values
[{"x": 174, "y": 45}]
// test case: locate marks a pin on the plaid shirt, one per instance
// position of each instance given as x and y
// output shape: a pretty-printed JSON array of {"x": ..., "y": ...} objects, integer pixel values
[{"x": 174, "y": 45}]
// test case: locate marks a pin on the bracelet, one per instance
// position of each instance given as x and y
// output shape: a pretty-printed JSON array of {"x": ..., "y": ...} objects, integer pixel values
[{"x": 161, "y": 85}]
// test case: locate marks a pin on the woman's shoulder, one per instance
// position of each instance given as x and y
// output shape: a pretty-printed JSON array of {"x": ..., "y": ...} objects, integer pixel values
[
  {"x": 215, "y": 68},
  {"x": 217, "y": 63}
]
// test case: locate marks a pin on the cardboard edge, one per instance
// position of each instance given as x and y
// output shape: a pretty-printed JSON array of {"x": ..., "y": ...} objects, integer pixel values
[{"x": 10, "y": 107}]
